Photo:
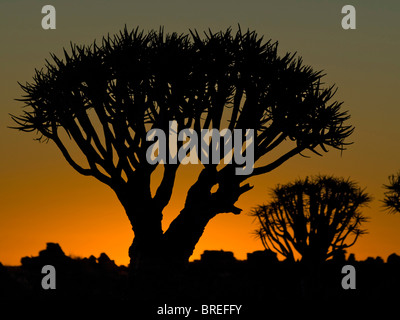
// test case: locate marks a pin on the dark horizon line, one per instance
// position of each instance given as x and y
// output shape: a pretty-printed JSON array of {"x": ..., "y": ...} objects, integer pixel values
[{"x": 221, "y": 252}]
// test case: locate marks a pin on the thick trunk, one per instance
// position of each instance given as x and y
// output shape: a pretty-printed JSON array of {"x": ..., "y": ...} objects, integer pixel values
[
  {"x": 151, "y": 249},
  {"x": 145, "y": 252},
  {"x": 158, "y": 262},
  {"x": 145, "y": 218},
  {"x": 158, "y": 258},
  {"x": 146, "y": 225}
]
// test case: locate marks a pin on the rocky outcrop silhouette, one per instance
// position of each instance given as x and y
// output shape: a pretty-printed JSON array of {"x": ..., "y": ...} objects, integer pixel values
[{"x": 76, "y": 278}]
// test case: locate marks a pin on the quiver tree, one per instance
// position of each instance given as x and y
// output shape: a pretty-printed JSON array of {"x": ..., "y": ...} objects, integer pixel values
[
  {"x": 105, "y": 98},
  {"x": 316, "y": 218},
  {"x": 391, "y": 200}
]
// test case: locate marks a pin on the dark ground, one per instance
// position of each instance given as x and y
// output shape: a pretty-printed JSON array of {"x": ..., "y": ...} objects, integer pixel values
[{"x": 218, "y": 278}]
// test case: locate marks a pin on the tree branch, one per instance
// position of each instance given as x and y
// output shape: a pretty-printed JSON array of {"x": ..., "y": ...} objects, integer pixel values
[
  {"x": 273, "y": 165},
  {"x": 164, "y": 190}
]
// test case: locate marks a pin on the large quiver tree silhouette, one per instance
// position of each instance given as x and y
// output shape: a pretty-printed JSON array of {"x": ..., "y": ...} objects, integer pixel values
[
  {"x": 105, "y": 98},
  {"x": 315, "y": 218}
]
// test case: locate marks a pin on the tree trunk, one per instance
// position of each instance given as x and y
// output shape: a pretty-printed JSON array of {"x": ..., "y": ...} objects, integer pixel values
[
  {"x": 145, "y": 252},
  {"x": 158, "y": 259}
]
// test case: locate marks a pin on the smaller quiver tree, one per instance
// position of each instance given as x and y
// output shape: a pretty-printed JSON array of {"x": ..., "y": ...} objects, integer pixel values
[{"x": 316, "y": 217}]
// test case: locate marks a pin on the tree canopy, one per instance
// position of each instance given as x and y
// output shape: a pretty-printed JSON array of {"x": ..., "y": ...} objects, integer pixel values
[{"x": 137, "y": 81}]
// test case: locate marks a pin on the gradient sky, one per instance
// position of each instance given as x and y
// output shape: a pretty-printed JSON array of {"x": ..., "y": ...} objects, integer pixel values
[{"x": 42, "y": 199}]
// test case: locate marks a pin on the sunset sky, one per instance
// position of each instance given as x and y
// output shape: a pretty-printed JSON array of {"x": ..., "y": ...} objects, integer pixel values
[{"x": 42, "y": 199}]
